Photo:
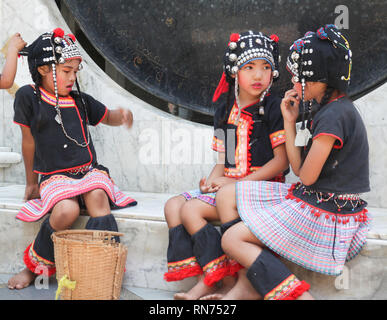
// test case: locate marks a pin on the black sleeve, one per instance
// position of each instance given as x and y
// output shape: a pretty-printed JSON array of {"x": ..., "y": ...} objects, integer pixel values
[
  {"x": 330, "y": 122},
  {"x": 22, "y": 105},
  {"x": 96, "y": 111},
  {"x": 218, "y": 141},
  {"x": 276, "y": 122}
]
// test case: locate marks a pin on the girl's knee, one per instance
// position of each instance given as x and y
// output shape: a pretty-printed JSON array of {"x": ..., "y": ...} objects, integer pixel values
[
  {"x": 96, "y": 195},
  {"x": 64, "y": 213},
  {"x": 189, "y": 211},
  {"x": 172, "y": 207}
]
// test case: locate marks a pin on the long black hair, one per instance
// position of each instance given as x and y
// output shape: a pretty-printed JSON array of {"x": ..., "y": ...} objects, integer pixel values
[{"x": 40, "y": 114}]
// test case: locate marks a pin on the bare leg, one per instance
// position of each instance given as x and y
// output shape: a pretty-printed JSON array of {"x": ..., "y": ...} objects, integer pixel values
[
  {"x": 62, "y": 217},
  {"x": 195, "y": 214},
  {"x": 226, "y": 203},
  {"x": 97, "y": 203},
  {"x": 172, "y": 211},
  {"x": 64, "y": 214}
]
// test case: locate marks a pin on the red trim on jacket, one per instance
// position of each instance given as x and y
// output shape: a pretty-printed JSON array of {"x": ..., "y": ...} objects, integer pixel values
[{"x": 331, "y": 135}]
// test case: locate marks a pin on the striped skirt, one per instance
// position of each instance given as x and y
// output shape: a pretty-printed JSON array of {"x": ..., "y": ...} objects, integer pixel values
[
  {"x": 60, "y": 187},
  {"x": 197, "y": 194},
  {"x": 314, "y": 239}
]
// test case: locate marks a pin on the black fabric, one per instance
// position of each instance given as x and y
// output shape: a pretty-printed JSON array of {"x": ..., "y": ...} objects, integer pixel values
[
  {"x": 264, "y": 125},
  {"x": 43, "y": 244},
  {"x": 180, "y": 245},
  {"x": 225, "y": 226},
  {"x": 346, "y": 207},
  {"x": 323, "y": 56},
  {"x": 347, "y": 167},
  {"x": 104, "y": 223},
  {"x": 50, "y": 47},
  {"x": 266, "y": 273},
  {"x": 207, "y": 245},
  {"x": 50, "y": 139}
]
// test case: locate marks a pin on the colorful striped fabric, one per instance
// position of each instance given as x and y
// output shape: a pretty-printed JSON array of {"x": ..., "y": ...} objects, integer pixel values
[
  {"x": 60, "y": 187},
  {"x": 288, "y": 227},
  {"x": 196, "y": 194}
]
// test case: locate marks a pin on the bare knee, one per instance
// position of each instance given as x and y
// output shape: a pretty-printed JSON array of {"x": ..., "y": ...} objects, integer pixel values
[
  {"x": 172, "y": 210},
  {"x": 64, "y": 214},
  {"x": 188, "y": 212},
  {"x": 96, "y": 196}
]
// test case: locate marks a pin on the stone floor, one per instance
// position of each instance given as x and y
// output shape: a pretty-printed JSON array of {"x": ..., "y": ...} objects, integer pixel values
[{"x": 34, "y": 293}]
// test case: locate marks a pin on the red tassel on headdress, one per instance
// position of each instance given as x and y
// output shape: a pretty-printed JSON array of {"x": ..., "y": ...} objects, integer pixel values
[
  {"x": 72, "y": 37},
  {"x": 274, "y": 37},
  {"x": 58, "y": 32},
  {"x": 222, "y": 87},
  {"x": 234, "y": 37}
]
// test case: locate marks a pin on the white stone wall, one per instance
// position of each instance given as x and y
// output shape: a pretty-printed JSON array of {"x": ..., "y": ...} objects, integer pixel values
[{"x": 161, "y": 153}]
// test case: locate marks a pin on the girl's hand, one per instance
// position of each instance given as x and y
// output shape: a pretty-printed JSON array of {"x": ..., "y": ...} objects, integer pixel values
[
  {"x": 16, "y": 43},
  {"x": 127, "y": 117},
  {"x": 290, "y": 106},
  {"x": 31, "y": 192},
  {"x": 219, "y": 182},
  {"x": 203, "y": 186}
]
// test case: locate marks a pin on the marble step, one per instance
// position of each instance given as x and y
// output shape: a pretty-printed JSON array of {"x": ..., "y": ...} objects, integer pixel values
[{"x": 146, "y": 236}]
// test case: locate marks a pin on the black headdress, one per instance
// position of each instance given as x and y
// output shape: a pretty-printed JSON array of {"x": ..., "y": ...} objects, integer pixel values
[
  {"x": 241, "y": 49},
  {"x": 322, "y": 56},
  {"x": 52, "y": 48}
]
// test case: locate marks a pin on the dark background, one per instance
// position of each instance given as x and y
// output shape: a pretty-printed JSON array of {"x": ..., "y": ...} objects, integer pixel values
[{"x": 169, "y": 52}]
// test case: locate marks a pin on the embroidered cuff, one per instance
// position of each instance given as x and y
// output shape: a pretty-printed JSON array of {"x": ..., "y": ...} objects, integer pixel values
[{"x": 277, "y": 138}]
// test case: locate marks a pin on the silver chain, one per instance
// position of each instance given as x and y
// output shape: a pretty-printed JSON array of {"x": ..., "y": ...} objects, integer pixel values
[{"x": 57, "y": 108}]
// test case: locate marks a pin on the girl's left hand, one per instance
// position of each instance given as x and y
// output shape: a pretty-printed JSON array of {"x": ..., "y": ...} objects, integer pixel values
[{"x": 127, "y": 117}]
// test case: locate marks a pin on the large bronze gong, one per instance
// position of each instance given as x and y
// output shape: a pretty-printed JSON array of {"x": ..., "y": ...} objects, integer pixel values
[{"x": 173, "y": 48}]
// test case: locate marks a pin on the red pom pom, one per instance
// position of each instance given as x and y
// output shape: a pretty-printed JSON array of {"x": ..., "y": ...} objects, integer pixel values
[
  {"x": 72, "y": 37},
  {"x": 274, "y": 37},
  {"x": 234, "y": 37},
  {"x": 58, "y": 32}
]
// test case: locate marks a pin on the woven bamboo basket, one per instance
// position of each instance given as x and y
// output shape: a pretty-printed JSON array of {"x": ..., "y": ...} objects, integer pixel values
[{"x": 92, "y": 261}]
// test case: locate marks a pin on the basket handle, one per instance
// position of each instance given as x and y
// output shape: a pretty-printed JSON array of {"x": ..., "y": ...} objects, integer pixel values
[{"x": 99, "y": 233}]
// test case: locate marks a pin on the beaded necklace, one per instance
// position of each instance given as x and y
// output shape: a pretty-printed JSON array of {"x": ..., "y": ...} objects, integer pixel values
[{"x": 353, "y": 199}]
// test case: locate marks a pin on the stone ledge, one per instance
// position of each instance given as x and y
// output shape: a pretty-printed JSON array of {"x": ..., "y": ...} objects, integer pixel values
[
  {"x": 146, "y": 236},
  {"x": 151, "y": 207}
]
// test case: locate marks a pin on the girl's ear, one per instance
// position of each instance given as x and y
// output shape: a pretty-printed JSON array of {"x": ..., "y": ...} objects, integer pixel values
[{"x": 44, "y": 70}]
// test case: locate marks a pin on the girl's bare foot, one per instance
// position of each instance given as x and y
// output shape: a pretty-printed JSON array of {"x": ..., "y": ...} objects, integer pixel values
[
  {"x": 227, "y": 284},
  {"x": 243, "y": 290},
  {"x": 198, "y": 291},
  {"x": 305, "y": 296},
  {"x": 21, "y": 280}
]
